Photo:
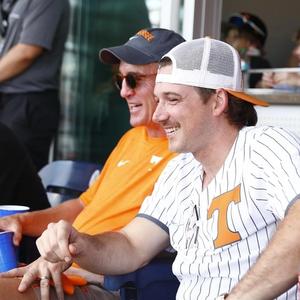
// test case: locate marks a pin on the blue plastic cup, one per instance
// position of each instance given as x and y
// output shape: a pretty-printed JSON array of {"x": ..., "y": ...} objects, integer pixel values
[
  {"x": 8, "y": 257},
  {"x": 6, "y": 210}
]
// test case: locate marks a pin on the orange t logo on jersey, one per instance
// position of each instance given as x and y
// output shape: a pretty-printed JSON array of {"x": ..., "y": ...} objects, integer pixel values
[{"x": 224, "y": 235}]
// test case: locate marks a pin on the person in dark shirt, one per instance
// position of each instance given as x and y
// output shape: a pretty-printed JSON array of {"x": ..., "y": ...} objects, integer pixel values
[
  {"x": 20, "y": 184},
  {"x": 31, "y": 54}
]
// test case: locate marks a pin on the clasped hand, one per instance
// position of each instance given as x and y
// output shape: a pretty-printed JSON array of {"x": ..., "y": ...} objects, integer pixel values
[{"x": 57, "y": 243}]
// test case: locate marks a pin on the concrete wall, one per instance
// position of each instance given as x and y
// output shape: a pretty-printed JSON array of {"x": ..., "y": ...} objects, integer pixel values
[{"x": 282, "y": 19}]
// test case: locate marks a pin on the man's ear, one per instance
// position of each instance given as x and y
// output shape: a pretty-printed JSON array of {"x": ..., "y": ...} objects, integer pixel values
[{"x": 221, "y": 102}]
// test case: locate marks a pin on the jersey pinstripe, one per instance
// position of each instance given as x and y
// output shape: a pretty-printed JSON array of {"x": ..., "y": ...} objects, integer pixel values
[{"x": 219, "y": 231}]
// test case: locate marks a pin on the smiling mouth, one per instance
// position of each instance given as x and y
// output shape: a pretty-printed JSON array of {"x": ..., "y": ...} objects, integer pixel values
[
  {"x": 133, "y": 107},
  {"x": 171, "y": 131}
]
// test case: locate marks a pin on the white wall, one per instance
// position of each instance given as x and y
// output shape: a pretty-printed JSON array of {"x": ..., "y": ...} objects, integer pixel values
[{"x": 286, "y": 116}]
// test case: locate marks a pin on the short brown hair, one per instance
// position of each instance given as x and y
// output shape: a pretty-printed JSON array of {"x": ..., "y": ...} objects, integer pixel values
[
  {"x": 240, "y": 113},
  {"x": 165, "y": 61}
]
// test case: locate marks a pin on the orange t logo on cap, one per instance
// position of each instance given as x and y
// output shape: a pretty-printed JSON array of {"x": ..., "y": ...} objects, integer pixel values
[{"x": 146, "y": 35}]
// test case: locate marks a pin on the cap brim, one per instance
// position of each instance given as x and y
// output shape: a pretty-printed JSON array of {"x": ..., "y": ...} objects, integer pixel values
[
  {"x": 248, "y": 98},
  {"x": 124, "y": 53}
]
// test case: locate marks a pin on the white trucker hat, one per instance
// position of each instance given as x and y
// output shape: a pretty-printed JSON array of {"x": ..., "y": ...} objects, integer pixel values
[{"x": 208, "y": 63}]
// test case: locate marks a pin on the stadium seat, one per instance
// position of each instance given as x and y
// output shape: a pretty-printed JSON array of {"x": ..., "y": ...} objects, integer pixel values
[
  {"x": 67, "y": 179},
  {"x": 155, "y": 281}
]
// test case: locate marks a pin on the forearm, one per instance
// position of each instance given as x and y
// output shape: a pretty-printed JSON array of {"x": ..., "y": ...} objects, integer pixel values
[
  {"x": 106, "y": 253},
  {"x": 17, "y": 60},
  {"x": 109, "y": 253},
  {"x": 293, "y": 79},
  {"x": 277, "y": 268},
  {"x": 34, "y": 223}
]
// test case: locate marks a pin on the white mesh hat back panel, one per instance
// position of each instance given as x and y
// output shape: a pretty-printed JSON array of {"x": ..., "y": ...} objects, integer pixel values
[{"x": 208, "y": 63}]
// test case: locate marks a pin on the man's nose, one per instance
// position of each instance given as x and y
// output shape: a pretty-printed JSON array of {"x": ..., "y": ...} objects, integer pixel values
[
  {"x": 160, "y": 114},
  {"x": 126, "y": 91}
]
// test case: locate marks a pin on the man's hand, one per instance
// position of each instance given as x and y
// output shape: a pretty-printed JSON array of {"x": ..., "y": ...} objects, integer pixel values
[
  {"x": 267, "y": 80},
  {"x": 58, "y": 242},
  {"x": 12, "y": 223},
  {"x": 40, "y": 270}
]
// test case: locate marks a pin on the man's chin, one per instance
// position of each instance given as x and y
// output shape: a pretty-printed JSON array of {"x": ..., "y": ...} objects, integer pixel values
[
  {"x": 136, "y": 123},
  {"x": 173, "y": 147}
]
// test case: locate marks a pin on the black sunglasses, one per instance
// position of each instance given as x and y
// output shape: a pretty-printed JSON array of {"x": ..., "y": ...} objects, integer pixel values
[{"x": 132, "y": 79}]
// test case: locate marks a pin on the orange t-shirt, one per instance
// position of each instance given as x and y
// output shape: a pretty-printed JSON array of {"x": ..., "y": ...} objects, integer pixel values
[{"x": 126, "y": 179}]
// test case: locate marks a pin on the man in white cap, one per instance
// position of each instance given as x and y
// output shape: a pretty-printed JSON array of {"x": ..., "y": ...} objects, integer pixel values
[{"x": 219, "y": 203}]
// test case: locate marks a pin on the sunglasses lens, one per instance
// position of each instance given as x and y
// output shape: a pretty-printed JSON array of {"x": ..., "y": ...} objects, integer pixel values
[
  {"x": 131, "y": 81},
  {"x": 118, "y": 81}
]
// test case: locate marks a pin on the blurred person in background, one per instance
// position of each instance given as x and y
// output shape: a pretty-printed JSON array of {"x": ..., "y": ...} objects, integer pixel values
[
  {"x": 34, "y": 33},
  {"x": 247, "y": 33}
]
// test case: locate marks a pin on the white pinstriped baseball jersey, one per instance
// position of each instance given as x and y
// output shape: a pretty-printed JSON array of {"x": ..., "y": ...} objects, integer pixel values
[{"x": 219, "y": 231}]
